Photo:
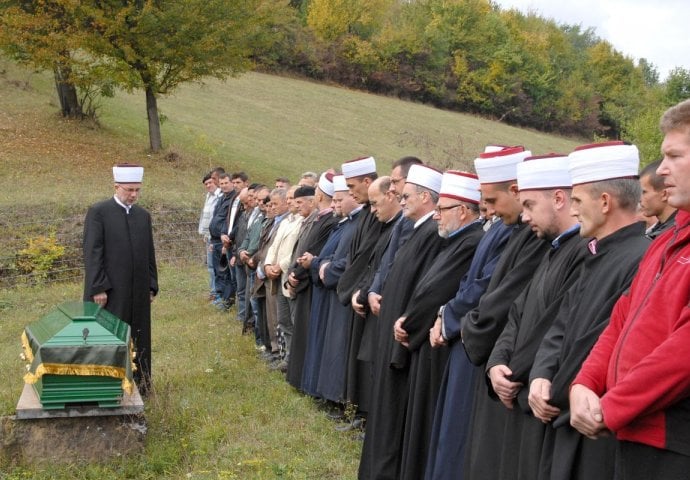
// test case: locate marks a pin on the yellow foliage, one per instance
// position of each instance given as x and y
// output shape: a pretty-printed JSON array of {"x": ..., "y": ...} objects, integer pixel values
[{"x": 39, "y": 256}]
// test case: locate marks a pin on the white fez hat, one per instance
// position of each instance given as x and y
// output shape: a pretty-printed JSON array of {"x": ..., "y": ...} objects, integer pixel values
[
  {"x": 326, "y": 183},
  {"x": 494, "y": 148},
  {"x": 463, "y": 186},
  {"x": 339, "y": 184},
  {"x": 544, "y": 172},
  {"x": 603, "y": 161},
  {"x": 126, "y": 173},
  {"x": 358, "y": 167},
  {"x": 425, "y": 176},
  {"x": 499, "y": 165}
]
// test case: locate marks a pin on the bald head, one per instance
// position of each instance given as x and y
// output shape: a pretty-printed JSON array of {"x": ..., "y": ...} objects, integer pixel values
[{"x": 384, "y": 204}]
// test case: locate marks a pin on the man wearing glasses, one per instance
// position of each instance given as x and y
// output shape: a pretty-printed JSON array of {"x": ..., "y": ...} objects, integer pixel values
[{"x": 120, "y": 263}]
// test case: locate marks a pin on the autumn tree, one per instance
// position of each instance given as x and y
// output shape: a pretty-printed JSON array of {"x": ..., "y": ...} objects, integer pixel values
[
  {"x": 156, "y": 45},
  {"x": 43, "y": 35}
]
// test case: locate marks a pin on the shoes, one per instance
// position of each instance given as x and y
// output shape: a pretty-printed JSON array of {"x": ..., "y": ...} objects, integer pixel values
[
  {"x": 247, "y": 327},
  {"x": 356, "y": 424},
  {"x": 335, "y": 414},
  {"x": 266, "y": 354},
  {"x": 224, "y": 305},
  {"x": 280, "y": 365},
  {"x": 260, "y": 348}
]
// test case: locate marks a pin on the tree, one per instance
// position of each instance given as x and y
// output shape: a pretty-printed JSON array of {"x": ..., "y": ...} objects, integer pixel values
[
  {"x": 41, "y": 35},
  {"x": 677, "y": 86},
  {"x": 331, "y": 19},
  {"x": 156, "y": 45}
]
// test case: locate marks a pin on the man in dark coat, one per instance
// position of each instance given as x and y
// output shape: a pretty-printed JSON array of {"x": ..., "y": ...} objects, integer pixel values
[
  {"x": 385, "y": 421},
  {"x": 604, "y": 198},
  {"x": 654, "y": 201},
  {"x": 217, "y": 229},
  {"x": 482, "y": 325},
  {"x": 386, "y": 208},
  {"x": 457, "y": 216},
  {"x": 545, "y": 186},
  {"x": 359, "y": 174},
  {"x": 120, "y": 263}
]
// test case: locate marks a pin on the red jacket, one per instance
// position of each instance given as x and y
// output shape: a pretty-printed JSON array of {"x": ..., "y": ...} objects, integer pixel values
[{"x": 640, "y": 366}]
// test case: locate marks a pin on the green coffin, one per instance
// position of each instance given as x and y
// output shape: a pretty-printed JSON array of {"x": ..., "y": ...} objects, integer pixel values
[{"x": 78, "y": 353}]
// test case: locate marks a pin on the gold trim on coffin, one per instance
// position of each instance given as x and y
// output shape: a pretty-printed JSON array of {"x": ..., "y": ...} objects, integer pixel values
[
  {"x": 64, "y": 369},
  {"x": 28, "y": 353}
]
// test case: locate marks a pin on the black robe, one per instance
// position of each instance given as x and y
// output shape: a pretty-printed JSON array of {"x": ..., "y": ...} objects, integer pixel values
[
  {"x": 333, "y": 363},
  {"x": 452, "y": 413},
  {"x": 361, "y": 246},
  {"x": 119, "y": 259},
  {"x": 530, "y": 317},
  {"x": 583, "y": 315},
  {"x": 480, "y": 330},
  {"x": 360, "y": 362},
  {"x": 438, "y": 285},
  {"x": 385, "y": 422},
  {"x": 386, "y": 246},
  {"x": 313, "y": 243}
]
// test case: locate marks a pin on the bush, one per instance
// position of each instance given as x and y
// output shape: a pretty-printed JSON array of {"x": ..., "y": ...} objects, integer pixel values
[{"x": 39, "y": 256}]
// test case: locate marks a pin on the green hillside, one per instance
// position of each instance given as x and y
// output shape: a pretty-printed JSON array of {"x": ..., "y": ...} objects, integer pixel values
[{"x": 263, "y": 124}]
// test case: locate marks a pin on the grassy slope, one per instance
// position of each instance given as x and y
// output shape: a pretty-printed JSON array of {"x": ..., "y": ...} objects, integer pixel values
[
  {"x": 238, "y": 420},
  {"x": 263, "y": 124}
]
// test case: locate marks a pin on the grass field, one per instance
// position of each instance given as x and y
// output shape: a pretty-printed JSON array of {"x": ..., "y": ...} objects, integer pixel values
[{"x": 218, "y": 412}]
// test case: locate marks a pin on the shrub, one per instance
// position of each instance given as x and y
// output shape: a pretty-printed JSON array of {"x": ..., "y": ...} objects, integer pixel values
[{"x": 39, "y": 256}]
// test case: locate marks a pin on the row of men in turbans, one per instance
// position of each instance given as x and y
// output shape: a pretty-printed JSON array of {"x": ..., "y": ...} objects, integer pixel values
[{"x": 468, "y": 351}]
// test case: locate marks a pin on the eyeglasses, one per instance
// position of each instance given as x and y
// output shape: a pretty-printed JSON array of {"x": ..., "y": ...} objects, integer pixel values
[{"x": 438, "y": 210}]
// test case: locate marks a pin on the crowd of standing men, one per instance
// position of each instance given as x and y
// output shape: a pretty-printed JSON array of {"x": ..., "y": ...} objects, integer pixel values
[{"x": 542, "y": 338}]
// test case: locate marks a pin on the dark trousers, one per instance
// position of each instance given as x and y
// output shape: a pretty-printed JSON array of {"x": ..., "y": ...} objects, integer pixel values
[
  {"x": 242, "y": 297},
  {"x": 223, "y": 283},
  {"x": 635, "y": 461}
]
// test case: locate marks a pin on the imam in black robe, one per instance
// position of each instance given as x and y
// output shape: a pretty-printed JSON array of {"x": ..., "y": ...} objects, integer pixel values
[
  {"x": 361, "y": 246},
  {"x": 363, "y": 341},
  {"x": 438, "y": 285},
  {"x": 583, "y": 315},
  {"x": 480, "y": 330},
  {"x": 452, "y": 413},
  {"x": 530, "y": 317},
  {"x": 385, "y": 422},
  {"x": 119, "y": 259}
]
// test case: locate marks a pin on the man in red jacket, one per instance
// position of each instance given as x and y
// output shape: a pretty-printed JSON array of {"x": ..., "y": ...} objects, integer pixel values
[{"x": 636, "y": 380}]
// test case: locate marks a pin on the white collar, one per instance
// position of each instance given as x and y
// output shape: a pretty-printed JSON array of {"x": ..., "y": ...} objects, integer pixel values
[{"x": 423, "y": 219}]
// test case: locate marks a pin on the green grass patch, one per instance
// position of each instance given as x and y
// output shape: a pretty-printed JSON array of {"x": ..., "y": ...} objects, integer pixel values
[{"x": 217, "y": 411}]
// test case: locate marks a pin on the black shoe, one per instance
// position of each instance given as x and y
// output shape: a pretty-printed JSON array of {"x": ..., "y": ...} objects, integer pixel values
[
  {"x": 280, "y": 365},
  {"x": 356, "y": 424},
  {"x": 335, "y": 414}
]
